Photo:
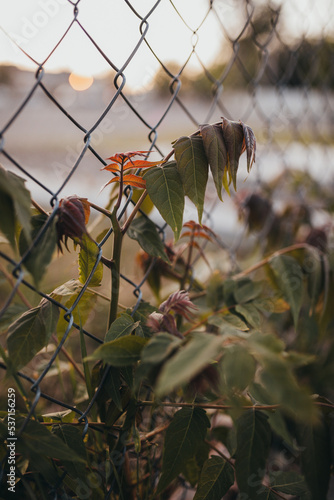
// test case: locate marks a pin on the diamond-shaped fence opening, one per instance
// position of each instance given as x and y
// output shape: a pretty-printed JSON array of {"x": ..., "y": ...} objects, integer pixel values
[{"x": 163, "y": 70}]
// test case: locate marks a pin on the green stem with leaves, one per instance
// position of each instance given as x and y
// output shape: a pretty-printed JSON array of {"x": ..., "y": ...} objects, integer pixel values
[{"x": 115, "y": 266}]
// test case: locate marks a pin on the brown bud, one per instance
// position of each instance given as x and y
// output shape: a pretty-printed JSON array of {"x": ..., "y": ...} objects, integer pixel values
[{"x": 72, "y": 218}]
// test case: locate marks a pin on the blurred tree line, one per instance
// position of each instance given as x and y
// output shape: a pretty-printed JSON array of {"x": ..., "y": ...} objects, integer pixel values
[{"x": 260, "y": 57}]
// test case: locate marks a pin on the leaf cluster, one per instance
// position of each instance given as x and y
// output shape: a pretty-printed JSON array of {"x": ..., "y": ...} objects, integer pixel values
[
  {"x": 223, "y": 387},
  {"x": 217, "y": 147}
]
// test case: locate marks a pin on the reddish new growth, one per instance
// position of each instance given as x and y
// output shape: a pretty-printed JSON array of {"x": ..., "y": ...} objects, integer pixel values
[
  {"x": 124, "y": 162},
  {"x": 164, "y": 321},
  {"x": 73, "y": 215}
]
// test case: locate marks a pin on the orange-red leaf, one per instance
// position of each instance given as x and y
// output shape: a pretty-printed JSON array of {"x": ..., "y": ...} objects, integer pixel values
[
  {"x": 196, "y": 245},
  {"x": 197, "y": 234},
  {"x": 86, "y": 207},
  {"x": 194, "y": 226},
  {"x": 141, "y": 164},
  {"x": 128, "y": 180},
  {"x": 113, "y": 167},
  {"x": 134, "y": 180},
  {"x": 121, "y": 158}
]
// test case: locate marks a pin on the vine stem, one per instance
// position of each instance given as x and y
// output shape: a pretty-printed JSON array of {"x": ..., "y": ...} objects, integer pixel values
[
  {"x": 69, "y": 358},
  {"x": 10, "y": 280},
  {"x": 142, "y": 198},
  {"x": 118, "y": 240},
  {"x": 38, "y": 207},
  {"x": 207, "y": 406},
  {"x": 134, "y": 212},
  {"x": 150, "y": 435},
  {"x": 220, "y": 453},
  {"x": 102, "y": 210},
  {"x": 115, "y": 266},
  {"x": 263, "y": 262}
]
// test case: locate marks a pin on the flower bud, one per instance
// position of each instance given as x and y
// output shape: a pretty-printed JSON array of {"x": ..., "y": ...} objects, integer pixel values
[{"x": 71, "y": 219}]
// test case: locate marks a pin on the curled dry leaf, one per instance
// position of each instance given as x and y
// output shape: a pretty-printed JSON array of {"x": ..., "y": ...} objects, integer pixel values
[{"x": 73, "y": 214}]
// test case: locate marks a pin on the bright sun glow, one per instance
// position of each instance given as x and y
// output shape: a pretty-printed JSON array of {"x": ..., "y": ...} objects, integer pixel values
[{"x": 79, "y": 82}]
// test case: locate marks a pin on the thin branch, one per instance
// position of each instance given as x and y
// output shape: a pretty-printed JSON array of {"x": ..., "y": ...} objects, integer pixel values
[
  {"x": 150, "y": 435},
  {"x": 205, "y": 320},
  {"x": 69, "y": 358},
  {"x": 98, "y": 294},
  {"x": 263, "y": 262},
  {"x": 207, "y": 406},
  {"x": 11, "y": 281},
  {"x": 102, "y": 210},
  {"x": 106, "y": 262},
  {"x": 39, "y": 208},
  {"x": 220, "y": 453},
  {"x": 134, "y": 212}
]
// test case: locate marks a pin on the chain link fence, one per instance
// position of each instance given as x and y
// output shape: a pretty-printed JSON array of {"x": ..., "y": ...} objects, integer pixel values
[{"x": 269, "y": 64}]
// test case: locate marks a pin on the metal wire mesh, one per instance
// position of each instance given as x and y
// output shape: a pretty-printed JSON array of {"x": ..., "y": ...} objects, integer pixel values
[{"x": 290, "y": 107}]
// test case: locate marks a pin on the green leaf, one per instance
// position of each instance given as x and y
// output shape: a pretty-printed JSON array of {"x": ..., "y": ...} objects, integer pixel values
[
  {"x": 250, "y": 145},
  {"x": 233, "y": 138},
  {"x": 123, "y": 351},
  {"x": 41, "y": 254},
  {"x": 71, "y": 287},
  {"x": 14, "y": 195},
  {"x": 114, "y": 384},
  {"x": 277, "y": 377},
  {"x": 276, "y": 418},
  {"x": 141, "y": 314},
  {"x": 72, "y": 437},
  {"x": 288, "y": 482},
  {"x": 315, "y": 443},
  {"x": 7, "y": 219},
  {"x": 230, "y": 320},
  {"x": 31, "y": 332},
  {"x": 183, "y": 436},
  {"x": 37, "y": 437},
  {"x": 313, "y": 267},
  {"x": 253, "y": 444},
  {"x": 10, "y": 315},
  {"x": 288, "y": 276},
  {"x": 196, "y": 354},
  {"x": 192, "y": 468},
  {"x": 250, "y": 313},
  {"x": 215, "y": 295},
  {"x": 266, "y": 344},
  {"x": 43, "y": 465},
  {"x": 264, "y": 493},
  {"x": 145, "y": 232},
  {"x": 227, "y": 436},
  {"x": 87, "y": 259},
  {"x": 193, "y": 167},
  {"x": 81, "y": 311},
  {"x": 278, "y": 380},
  {"x": 238, "y": 367},
  {"x": 159, "y": 348},
  {"x": 216, "y": 153},
  {"x": 123, "y": 325},
  {"x": 247, "y": 290},
  {"x": 164, "y": 186},
  {"x": 217, "y": 477}
]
